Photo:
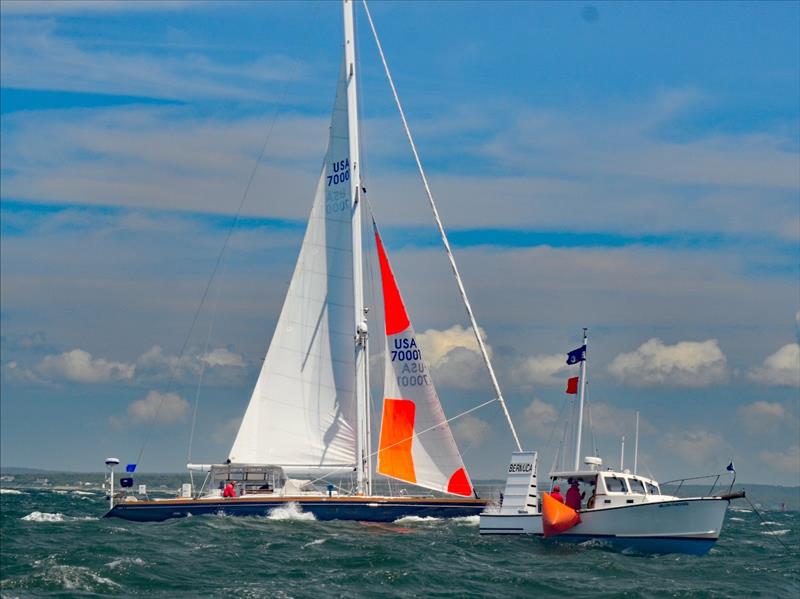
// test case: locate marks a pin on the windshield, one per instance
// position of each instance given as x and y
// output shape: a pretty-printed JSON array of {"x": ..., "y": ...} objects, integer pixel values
[
  {"x": 652, "y": 489},
  {"x": 636, "y": 485},
  {"x": 615, "y": 485}
]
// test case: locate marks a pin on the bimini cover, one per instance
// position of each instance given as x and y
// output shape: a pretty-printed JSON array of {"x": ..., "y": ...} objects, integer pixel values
[
  {"x": 416, "y": 444},
  {"x": 557, "y": 517}
]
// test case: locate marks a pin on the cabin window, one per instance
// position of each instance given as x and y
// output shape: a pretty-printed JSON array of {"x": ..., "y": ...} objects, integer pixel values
[
  {"x": 636, "y": 486},
  {"x": 615, "y": 485},
  {"x": 652, "y": 489}
]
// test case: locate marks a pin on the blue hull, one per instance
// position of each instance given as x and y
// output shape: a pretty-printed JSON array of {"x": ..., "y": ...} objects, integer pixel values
[
  {"x": 653, "y": 545},
  {"x": 368, "y": 510}
]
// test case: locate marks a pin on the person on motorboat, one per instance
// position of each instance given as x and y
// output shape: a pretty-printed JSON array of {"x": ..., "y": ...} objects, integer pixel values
[
  {"x": 574, "y": 495},
  {"x": 556, "y": 494}
]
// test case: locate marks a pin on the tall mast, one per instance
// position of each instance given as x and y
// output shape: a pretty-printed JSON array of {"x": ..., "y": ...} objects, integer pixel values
[
  {"x": 580, "y": 406},
  {"x": 359, "y": 315}
]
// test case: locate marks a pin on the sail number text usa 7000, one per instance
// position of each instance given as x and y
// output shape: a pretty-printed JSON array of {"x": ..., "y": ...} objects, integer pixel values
[{"x": 341, "y": 172}]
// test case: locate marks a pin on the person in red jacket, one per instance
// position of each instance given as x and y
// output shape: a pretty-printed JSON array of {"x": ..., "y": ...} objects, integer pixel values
[
  {"x": 574, "y": 496},
  {"x": 230, "y": 490},
  {"x": 556, "y": 494}
]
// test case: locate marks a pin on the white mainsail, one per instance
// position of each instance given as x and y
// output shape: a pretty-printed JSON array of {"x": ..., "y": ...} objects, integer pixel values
[
  {"x": 416, "y": 444},
  {"x": 302, "y": 411}
]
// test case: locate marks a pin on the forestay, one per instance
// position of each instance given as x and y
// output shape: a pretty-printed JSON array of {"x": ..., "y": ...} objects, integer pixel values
[
  {"x": 416, "y": 444},
  {"x": 302, "y": 410}
]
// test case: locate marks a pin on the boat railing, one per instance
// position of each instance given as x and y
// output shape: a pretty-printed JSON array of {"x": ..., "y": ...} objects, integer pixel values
[{"x": 680, "y": 481}]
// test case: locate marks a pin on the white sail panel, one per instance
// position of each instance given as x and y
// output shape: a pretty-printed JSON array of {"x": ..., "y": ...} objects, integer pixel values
[
  {"x": 302, "y": 410},
  {"x": 416, "y": 444}
]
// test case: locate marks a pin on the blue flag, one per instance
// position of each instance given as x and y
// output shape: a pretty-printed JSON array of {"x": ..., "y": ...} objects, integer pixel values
[
  {"x": 130, "y": 468},
  {"x": 730, "y": 467},
  {"x": 577, "y": 355}
]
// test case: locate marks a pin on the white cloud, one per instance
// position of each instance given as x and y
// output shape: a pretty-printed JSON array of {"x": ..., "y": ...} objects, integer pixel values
[
  {"x": 223, "y": 363},
  {"x": 79, "y": 366},
  {"x": 454, "y": 357},
  {"x": 763, "y": 416},
  {"x": 437, "y": 344},
  {"x": 542, "y": 370},
  {"x": 687, "y": 364},
  {"x": 222, "y": 356},
  {"x": 781, "y": 369},
  {"x": 540, "y": 417},
  {"x": 786, "y": 461},
  {"x": 698, "y": 448},
  {"x": 470, "y": 430},
  {"x": 161, "y": 408}
]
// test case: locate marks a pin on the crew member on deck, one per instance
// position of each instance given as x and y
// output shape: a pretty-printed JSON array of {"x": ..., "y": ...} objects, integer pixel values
[
  {"x": 556, "y": 494},
  {"x": 230, "y": 490},
  {"x": 574, "y": 495}
]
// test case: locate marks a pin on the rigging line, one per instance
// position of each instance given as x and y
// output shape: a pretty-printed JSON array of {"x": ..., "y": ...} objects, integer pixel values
[
  {"x": 765, "y": 523},
  {"x": 442, "y": 234},
  {"x": 224, "y": 247},
  {"x": 422, "y": 432}
]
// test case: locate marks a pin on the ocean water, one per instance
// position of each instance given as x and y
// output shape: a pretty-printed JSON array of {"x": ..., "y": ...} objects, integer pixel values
[{"x": 54, "y": 542}]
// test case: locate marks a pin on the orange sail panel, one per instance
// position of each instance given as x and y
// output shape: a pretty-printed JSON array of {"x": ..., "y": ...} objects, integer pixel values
[
  {"x": 396, "y": 316},
  {"x": 416, "y": 445},
  {"x": 397, "y": 432},
  {"x": 557, "y": 517}
]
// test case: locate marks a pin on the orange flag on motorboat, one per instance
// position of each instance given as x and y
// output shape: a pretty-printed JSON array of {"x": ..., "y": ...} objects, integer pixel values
[
  {"x": 557, "y": 517},
  {"x": 572, "y": 385}
]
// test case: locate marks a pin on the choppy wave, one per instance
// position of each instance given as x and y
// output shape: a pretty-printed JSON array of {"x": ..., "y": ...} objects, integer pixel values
[
  {"x": 54, "y": 517},
  {"x": 469, "y": 520},
  {"x": 417, "y": 519},
  {"x": 777, "y": 533},
  {"x": 12, "y": 492},
  {"x": 82, "y": 493},
  {"x": 290, "y": 511}
]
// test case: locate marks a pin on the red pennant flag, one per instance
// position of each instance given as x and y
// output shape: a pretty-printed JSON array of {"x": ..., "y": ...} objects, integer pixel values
[{"x": 572, "y": 385}]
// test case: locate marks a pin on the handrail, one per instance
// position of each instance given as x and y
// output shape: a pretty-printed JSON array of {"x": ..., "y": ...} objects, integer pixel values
[{"x": 715, "y": 476}]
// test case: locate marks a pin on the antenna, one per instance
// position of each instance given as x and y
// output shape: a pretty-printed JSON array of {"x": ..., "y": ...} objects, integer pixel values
[{"x": 636, "y": 445}]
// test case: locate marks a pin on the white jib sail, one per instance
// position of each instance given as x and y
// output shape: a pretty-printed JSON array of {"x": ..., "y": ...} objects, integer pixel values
[
  {"x": 410, "y": 406},
  {"x": 302, "y": 411}
]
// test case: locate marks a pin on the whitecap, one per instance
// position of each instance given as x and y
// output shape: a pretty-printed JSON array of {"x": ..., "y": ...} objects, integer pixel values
[
  {"x": 43, "y": 517},
  {"x": 314, "y": 542},
  {"x": 82, "y": 493},
  {"x": 11, "y": 492},
  {"x": 290, "y": 511},
  {"x": 769, "y": 523},
  {"x": 470, "y": 520},
  {"x": 734, "y": 519},
  {"x": 136, "y": 561},
  {"x": 777, "y": 533},
  {"x": 741, "y": 510},
  {"x": 50, "y": 517},
  {"x": 413, "y": 519},
  {"x": 73, "y": 578}
]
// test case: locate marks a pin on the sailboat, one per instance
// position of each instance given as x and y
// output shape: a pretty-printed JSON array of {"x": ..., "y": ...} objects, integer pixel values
[
  {"x": 309, "y": 411},
  {"x": 624, "y": 510}
]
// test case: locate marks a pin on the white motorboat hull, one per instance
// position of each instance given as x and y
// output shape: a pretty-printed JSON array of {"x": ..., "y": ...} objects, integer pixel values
[{"x": 673, "y": 526}]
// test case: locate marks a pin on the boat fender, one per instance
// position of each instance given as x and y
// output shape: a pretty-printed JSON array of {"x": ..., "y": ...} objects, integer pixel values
[{"x": 557, "y": 517}]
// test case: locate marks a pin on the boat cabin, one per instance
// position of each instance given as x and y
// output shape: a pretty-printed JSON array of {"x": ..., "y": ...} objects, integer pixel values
[{"x": 607, "y": 488}]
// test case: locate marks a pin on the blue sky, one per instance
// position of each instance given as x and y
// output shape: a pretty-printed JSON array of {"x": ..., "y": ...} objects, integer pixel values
[{"x": 629, "y": 167}]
